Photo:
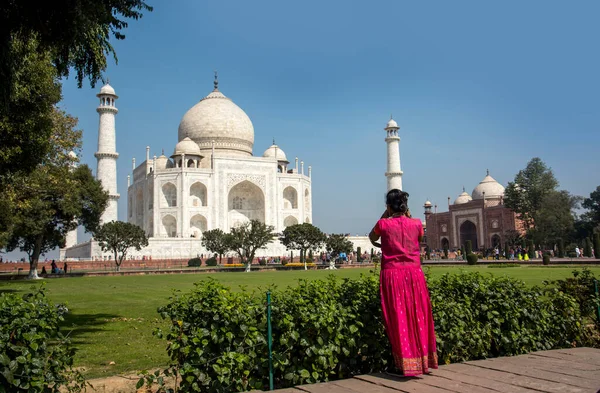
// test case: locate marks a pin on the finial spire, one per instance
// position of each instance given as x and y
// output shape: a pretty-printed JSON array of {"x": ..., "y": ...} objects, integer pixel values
[
  {"x": 273, "y": 140},
  {"x": 108, "y": 81},
  {"x": 163, "y": 152},
  {"x": 216, "y": 82},
  {"x": 488, "y": 171},
  {"x": 464, "y": 189}
]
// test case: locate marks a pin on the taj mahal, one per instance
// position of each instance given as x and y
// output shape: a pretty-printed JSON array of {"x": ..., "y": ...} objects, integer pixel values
[{"x": 211, "y": 180}]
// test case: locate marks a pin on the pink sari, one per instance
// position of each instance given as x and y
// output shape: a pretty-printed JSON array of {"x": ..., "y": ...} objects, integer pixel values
[{"x": 405, "y": 299}]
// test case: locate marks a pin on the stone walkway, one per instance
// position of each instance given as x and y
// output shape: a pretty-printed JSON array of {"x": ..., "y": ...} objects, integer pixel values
[{"x": 575, "y": 370}]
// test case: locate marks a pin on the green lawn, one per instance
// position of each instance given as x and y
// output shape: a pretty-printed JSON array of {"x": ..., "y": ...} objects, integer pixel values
[{"x": 112, "y": 318}]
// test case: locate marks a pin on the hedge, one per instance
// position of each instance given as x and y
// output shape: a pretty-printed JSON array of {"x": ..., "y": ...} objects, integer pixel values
[
  {"x": 331, "y": 329},
  {"x": 472, "y": 259},
  {"x": 195, "y": 262},
  {"x": 34, "y": 355}
]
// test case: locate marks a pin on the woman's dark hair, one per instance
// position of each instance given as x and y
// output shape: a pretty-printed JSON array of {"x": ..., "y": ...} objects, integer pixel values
[{"x": 397, "y": 200}]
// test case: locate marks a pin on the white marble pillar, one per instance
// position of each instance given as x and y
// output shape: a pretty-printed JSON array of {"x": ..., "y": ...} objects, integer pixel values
[
  {"x": 107, "y": 150},
  {"x": 393, "y": 173}
]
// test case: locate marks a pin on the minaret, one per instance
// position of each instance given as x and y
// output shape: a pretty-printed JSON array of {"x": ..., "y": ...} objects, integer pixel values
[
  {"x": 394, "y": 173},
  {"x": 107, "y": 151}
]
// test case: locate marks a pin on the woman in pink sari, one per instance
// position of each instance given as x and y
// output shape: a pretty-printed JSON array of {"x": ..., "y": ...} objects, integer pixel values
[{"x": 404, "y": 296}]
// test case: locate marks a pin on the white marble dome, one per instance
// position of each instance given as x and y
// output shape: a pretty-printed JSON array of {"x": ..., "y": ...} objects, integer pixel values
[
  {"x": 216, "y": 118},
  {"x": 463, "y": 198},
  {"x": 188, "y": 147},
  {"x": 162, "y": 162},
  {"x": 107, "y": 89},
  {"x": 392, "y": 124},
  {"x": 275, "y": 151},
  {"x": 489, "y": 185}
]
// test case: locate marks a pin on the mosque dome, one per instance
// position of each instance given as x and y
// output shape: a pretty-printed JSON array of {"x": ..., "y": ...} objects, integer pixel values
[
  {"x": 188, "y": 147},
  {"x": 218, "y": 119},
  {"x": 275, "y": 151},
  {"x": 463, "y": 198},
  {"x": 427, "y": 203},
  {"x": 161, "y": 162},
  {"x": 492, "y": 189},
  {"x": 392, "y": 124},
  {"x": 107, "y": 89}
]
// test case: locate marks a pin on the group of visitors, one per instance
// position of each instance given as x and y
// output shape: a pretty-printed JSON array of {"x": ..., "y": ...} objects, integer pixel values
[{"x": 54, "y": 269}]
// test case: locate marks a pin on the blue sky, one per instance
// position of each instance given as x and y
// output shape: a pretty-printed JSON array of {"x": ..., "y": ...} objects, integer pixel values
[{"x": 473, "y": 85}]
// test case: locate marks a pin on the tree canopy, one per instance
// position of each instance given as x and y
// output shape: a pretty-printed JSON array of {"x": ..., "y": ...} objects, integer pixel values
[
  {"x": 338, "y": 243},
  {"x": 592, "y": 204},
  {"x": 302, "y": 237},
  {"x": 76, "y": 34},
  {"x": 555, "y": 219},
  {"x": 217, "y": 241},
  {"x": 54, "y": 199},
  {"x": 249, "y": 237},
  {"x": 526, "y": 193},
  {"x": 118, "y": 237}
]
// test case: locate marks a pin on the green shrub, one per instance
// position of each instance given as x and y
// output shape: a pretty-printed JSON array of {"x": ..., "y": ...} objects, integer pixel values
[
  {"x": 581, "y": 287},
  {"x": 597, "y": 245},
  {"x": 195, "y": 262},
  {"x": 572, "y": 254},
  {"x": 561, "y": 248},
  {"x": 212, "y": 261},
  {"x": 331, "y": 329},
  {"x": 462, "y": 253},
  {"x": 427, "y": 253},
  {"x": 34, "y": 355},
  {"x": 506, "y": 251},
  {"x": 262, "y": 261},
  {"x": 472, "y": 259},
  {"x": 468, "y": 247},
  {"x": 359, "y": 257},
  {"x": 546, "y": 258},
  {"x": 284, "y": 261}
]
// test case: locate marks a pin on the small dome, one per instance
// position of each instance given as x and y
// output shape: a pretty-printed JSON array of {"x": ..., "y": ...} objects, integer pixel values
[
  {"x": 489, "y": 185},
  {"x": 392, "y": 124},
  {"x": 463, "y": 198},
  {"x": 187, "y": 147},
  {"x": 162, "y": 162},
  {"x": 108, "y": 89},
  {"x": 428, "y": 203},
  {"x": 275, "y": 151}
]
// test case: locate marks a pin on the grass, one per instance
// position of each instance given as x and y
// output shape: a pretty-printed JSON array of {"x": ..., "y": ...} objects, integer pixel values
[{"x": 111, "y": 319}]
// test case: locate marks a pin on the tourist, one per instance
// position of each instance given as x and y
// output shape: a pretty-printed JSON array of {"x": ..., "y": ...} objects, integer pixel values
[
  {"x": 405, "y": 302},
  {"x": 54, "y": 269},
  {"x": 65, "y": 267},
  {"x": 577, "y": 252}
]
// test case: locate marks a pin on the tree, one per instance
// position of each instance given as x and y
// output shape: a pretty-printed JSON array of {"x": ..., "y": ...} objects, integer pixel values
[
  {"x": 249, "y": 237},
  {"x": 118, "y": 237},
  {"x": 75, "y": 33},
  {"x": 53, "y": 199},
  {"x": 525, "y": 195},
  {"x": 41, "y": 42},
  {"x": 512, "y": 237},
  {"x": 302, "y": 237},
  {"x": 593, "y": 205},
  {"x": 587, "y": 248},
  {"x": 337, "y": 244},
  {"x": 217, "y": 241},
  {"x": 555, "y": 218},
  {"x": 26, "y": 118}
]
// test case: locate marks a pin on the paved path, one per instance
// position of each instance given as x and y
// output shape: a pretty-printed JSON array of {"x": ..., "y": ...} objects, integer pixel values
[{"x": 575, "y": 370}]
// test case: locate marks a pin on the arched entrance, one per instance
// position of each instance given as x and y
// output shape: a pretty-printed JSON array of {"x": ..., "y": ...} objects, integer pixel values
[
  {"x": 169, "y": 226},
  {"x": 289, "y": 221},
  {"x": 445, "y": 244},
  {"x": 290, "y": 198},
  {"x": 496, "y": 241},
  {"x": 468, "y": 231},
  {"x": 246, "y": 202},
  {"x": 197, "y": 225}
]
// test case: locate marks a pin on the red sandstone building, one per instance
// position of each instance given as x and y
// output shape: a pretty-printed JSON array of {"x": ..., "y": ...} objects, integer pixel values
[{"x": 480, "y": 217}]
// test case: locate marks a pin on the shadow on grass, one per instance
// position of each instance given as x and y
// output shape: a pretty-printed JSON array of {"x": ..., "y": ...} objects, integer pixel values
[{"x": 76, "y": 324}]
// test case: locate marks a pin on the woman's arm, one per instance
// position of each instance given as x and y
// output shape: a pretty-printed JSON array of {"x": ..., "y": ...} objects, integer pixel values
[{"x": 374, "y": 236}]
